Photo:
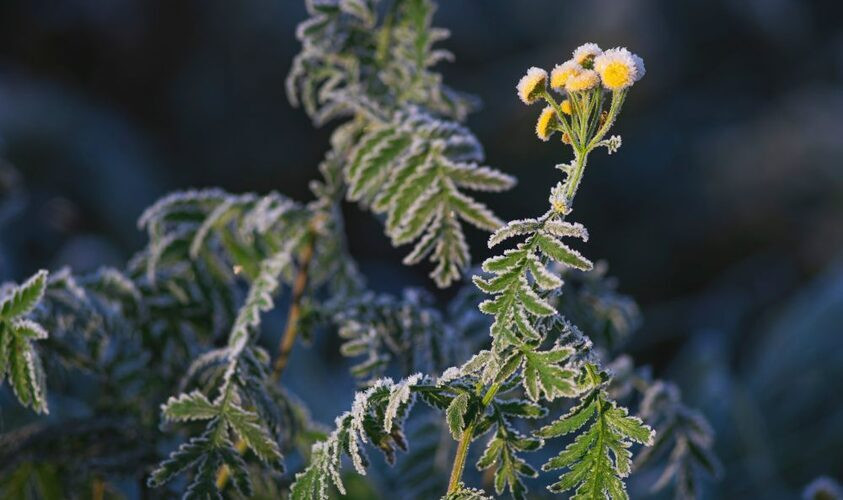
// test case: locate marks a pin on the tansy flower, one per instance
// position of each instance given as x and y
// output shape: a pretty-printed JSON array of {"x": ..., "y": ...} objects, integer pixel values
[
  {"x": 562, "y": 72},
  {"x": 619, "y": 68},
  {"x": 584, "y": 54},
  {"x": 532, "y": 84},
  {"x": 558, "y": 201},
  {"x": 566, "y": 106},
  {"x": 547, "y": 123},
  {"x": 585, "y": 80}
]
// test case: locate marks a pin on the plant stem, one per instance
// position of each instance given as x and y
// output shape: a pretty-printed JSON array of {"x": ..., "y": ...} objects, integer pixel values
[
  {"x": 288, "y": 340},
  {"x": 465, "y": 441},
  {"x": 299, "y": 287},
  {"x": 98, "y": 488},
  {"x": 224, "y": 473},
  {"x": 576, "y": 176}
]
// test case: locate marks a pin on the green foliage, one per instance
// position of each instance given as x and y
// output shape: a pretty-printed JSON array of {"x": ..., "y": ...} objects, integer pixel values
[
  {"x": 464, "y": 493},
  {"x": 19, "y": 361},
  {"x": 599, "y": 457},
  {"x": 182, "y": 321},
  {"x": 226, "y": 413},
  {"x": 503, "y": 449},
  {"x": 409, "y": 158},
  {"x": 411, "y": 170},
  {"x": 684, "y": 439},
  {"x": 379, "y": 330},
  {"x": 376, "y": 417},
  {"x": 516, "y": 300}
]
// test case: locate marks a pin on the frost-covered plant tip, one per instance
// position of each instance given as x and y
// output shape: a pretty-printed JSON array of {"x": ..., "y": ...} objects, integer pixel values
[{"x": 182, "y": 392}]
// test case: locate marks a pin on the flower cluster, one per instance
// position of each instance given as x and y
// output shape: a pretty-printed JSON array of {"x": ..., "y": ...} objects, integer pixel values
[{"x": 582, "y": 79}]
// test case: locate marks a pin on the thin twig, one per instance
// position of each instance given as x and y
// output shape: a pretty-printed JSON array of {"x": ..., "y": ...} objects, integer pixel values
[
  {"x": 97, "y": 488},
  {"x": 465, "y": 442},
  {"x": 299, "y": 287}
]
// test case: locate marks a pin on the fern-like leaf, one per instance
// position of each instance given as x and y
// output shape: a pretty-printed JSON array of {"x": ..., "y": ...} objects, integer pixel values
[
  {"x": 516, "y": 298},
  {"x": 19, "y": 360},
  {"x": 598, "y": 458},
  {"x": 411, "y": 169}
]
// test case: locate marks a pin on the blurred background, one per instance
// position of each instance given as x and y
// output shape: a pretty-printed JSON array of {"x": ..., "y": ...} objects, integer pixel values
[{"x": 722, "y": 214}]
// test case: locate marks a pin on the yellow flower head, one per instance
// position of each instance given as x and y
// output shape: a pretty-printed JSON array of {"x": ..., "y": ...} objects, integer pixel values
[
  {"x": 547, "y": 123},
  {"x": 566, "y": 106},
  {"x": 584, "y": 54},
  {"x": 531, "y": 85},
  {"x": 562, "y": 73},
  {"x": 558, "y": 200},
  {"x": 585, "y": 80},
  {"x": 619, "y": 68}
]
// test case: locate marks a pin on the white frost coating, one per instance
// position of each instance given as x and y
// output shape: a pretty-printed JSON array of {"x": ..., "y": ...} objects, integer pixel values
[
  {"x": 450, "y": 374},
  {"x": 562, "y": 229},
  {"x": 544, "y": 278},
  {"x": 161, "y": 207},
  {"x": 528, "y": 84},
  {"x": 400, "y": 396},
  {"x": 513, "y": 228},
  {"x": 585, "y": 51},
  {"x": 361, "y": 405},
  {"x": 210, "y": 221},
  {"x": 32, "y": 329},
  {"x": 265, "y": 214}
]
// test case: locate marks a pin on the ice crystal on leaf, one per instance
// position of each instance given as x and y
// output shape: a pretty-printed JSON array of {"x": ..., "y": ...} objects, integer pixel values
[
  {"x": 20, "y": 363},
  {"x": 411, "y": 158}
]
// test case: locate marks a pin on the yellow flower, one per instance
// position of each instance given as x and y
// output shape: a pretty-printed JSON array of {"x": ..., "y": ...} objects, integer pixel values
[
  {"x": 532, "y": 85},
  {"x": 584, "y": 54},
  {"x": 619, "y": 68},
  {"x": 585, "y": 80},
  {"x": 558, "y": 200},
  {"x": 562, "y": 73},
  {"x": 546, "y": 124},
  {"x": 566, "y": 106}
]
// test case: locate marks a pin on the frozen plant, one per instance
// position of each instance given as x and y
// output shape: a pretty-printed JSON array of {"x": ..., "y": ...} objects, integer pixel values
[{"x": 182, "y": 393}]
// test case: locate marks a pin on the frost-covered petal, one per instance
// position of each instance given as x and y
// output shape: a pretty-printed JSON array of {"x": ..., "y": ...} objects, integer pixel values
[
  {"x": 562, "y": 73},
  {"x": 546, "y": 123},
  {"x": 619, "y": 68},
  {"x": 587, "y": 79},
  {"x": 531, "y": 85},
  {"x": 585, "y": 54}
]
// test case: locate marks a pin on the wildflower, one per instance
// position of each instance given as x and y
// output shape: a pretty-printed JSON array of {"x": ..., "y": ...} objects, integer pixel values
[
  {"x": 547, "y": 123},
  {"x": 562, "y": 73},
  {"x": 566, "y": 138},
  {"x": 566, "y": 106},
  {"x": 558, "y": 200},
  {"x": 619, "y": 68},
  {"x": 584, "y": 54},
  {"x": 587, "y": 79},
  {"x": 532, "y": 84}
]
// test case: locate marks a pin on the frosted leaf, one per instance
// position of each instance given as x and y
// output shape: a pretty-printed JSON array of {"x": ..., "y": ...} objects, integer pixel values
[
  {"x": 399, "y": 397},
  {"x": 512, "y": 229},
  {"x": 612, "y": 144}
]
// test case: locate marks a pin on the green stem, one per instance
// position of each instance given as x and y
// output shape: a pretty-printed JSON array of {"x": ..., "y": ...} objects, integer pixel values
[
  {"x": 618, "y": 97},
  {"x": 580, "y": 160},
  {"x": 560, "y": 115},
  {"x": 465, "y": 441}
]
